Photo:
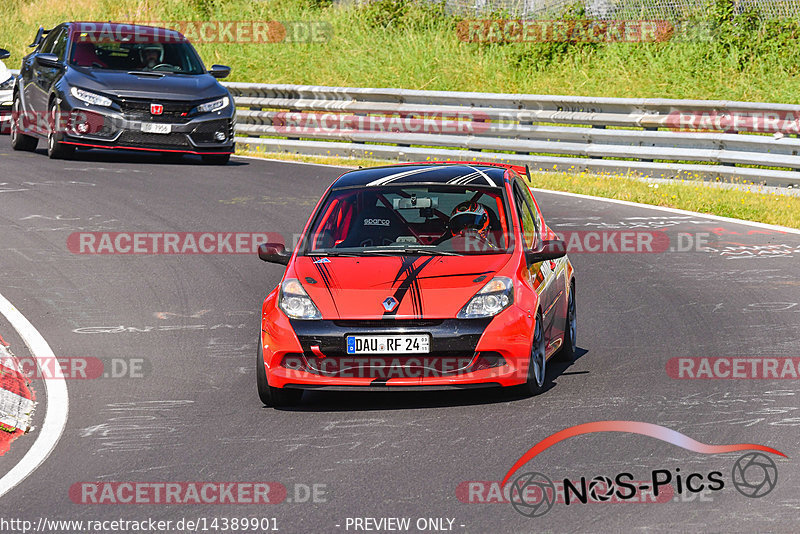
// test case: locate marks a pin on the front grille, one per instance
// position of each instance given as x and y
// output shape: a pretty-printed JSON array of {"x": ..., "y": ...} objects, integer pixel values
[
  {"x": 134, "y": 138},
  {"x": 137, "y": 109},
  {"x": 388, "y": 323}
]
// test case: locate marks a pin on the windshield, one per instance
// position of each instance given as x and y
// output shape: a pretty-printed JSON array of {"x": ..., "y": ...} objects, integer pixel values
[
  {"x": 151, "y": 54},
  {"x": 398, "y": 220}
]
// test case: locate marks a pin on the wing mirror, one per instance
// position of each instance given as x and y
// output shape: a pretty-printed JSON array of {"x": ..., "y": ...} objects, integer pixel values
[
  {"x": 4, "y": 54},
  {"x": 48, "y": 60},
  {"x": 219, "y": 71},
  {"x": 549, "y": 250},
  {"x": 274, "y": 253}
]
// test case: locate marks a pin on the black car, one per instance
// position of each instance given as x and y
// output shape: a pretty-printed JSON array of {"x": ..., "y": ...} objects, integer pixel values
[{"x": 121, "y": 86}]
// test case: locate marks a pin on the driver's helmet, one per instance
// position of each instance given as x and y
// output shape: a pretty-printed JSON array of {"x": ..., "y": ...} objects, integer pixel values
[
  {"x": 152, "y": 47},
  {"x": 469, "y": 215}
]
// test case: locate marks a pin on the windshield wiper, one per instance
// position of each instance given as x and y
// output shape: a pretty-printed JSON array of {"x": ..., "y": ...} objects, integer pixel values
[
  {"x": 411, "y": 250},
  {"x": 332, "y": 253}
]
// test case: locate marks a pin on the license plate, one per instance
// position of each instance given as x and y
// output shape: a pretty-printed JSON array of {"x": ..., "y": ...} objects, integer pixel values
[
  {"x": 156, "y": 128},
  {"x": 400, "y": 344}
]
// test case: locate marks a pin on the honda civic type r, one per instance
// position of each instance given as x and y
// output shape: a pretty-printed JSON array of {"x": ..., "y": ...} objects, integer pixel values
[
  {"x": 418, "y": 276},
  {"x": 120, "y": 86}
]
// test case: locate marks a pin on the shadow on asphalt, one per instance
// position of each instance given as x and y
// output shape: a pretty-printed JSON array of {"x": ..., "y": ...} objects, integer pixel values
[
  {"x": 341, "y": 401},
  {"x": 139, "y": 158}
]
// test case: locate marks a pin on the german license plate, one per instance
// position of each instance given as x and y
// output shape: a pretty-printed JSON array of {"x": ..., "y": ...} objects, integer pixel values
[
  {"x": 156, "y": 128},
  {"x": 399, "y": 344}
]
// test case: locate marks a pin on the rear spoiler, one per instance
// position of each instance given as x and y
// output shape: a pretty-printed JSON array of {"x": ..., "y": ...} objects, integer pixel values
[{"x": 39, "y": 37}]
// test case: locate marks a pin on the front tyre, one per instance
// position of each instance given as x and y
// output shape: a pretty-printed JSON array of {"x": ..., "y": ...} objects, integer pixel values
[
  {"x": 55, "y": 148},
  {"x": 20, "y": 141},
  {"x": 271, "y": 396},
  {"x": 537, "y": 367},
  {"x": 216, "y": 159},
  {"x": 569, "y": 350}
]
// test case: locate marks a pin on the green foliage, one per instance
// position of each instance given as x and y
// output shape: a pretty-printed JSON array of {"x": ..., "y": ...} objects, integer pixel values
[
  {"x": 716, "y": 52},
  {"x": 416, "y": 15}
]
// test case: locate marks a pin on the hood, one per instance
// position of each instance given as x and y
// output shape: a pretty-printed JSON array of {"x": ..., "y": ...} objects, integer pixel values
[
  {"x": 168, "y": 87},
  {"x": 431, "y": 287}
]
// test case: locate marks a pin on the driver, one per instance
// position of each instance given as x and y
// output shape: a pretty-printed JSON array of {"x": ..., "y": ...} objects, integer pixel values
[
  {"x": 469, "y": 217},
  {"x": 152, "y": 55}
]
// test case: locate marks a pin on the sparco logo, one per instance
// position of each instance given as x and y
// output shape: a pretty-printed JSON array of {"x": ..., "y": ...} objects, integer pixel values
[{"x": 377, "y": 222}]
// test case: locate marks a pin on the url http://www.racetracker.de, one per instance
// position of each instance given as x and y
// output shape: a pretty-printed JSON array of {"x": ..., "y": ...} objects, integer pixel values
[{"x": 195, "y": 524}]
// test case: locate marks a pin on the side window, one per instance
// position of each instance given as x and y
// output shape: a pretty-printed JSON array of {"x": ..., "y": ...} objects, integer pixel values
[
  {"x": 528, "y": 220},
  {"x": 47, "y": 45},
  {"x": 526, "y": 193},
  {"x": 60, "y": 45}
]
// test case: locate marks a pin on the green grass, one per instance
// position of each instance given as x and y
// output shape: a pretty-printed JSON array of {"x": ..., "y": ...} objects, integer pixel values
[{"x": 397, "y": 43}]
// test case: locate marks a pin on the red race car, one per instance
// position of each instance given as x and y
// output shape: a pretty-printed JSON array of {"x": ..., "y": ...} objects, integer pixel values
[{"x": 418, "y": 276}]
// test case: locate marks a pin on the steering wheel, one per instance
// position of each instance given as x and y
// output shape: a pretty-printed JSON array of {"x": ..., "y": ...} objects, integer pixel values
[{"x": 162, "y": 65}]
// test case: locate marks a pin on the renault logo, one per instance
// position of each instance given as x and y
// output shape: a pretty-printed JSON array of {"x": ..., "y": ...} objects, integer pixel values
[{"x": 389, "y": 304}]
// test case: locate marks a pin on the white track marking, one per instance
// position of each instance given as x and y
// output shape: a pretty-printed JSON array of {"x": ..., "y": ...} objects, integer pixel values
[
  {"x": 777, "y": 228},
  {"x": 55, "y": 417}
]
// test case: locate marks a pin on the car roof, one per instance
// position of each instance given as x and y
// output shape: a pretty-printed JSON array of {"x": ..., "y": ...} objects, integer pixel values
[{"x": 424, "y": 173}]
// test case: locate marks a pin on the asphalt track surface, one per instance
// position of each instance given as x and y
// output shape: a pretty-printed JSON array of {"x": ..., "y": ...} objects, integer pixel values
[{"x": 195, "y": 415}]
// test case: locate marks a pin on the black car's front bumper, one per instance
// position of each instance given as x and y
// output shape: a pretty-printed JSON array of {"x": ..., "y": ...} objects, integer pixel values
[{"x": 123, "y": 128}]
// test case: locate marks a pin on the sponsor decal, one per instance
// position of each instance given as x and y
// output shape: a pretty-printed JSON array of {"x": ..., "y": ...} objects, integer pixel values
[{"x": 377, "y": 222}]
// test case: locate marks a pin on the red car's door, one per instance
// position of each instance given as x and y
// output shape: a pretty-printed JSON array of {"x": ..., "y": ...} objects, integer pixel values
[{"x": 541, "y": 274}]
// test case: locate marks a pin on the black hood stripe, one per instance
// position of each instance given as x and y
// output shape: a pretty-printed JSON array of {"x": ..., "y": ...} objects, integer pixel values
[
  {"x": 322, "y": 269},
  {"x": 410, "y": 282}
]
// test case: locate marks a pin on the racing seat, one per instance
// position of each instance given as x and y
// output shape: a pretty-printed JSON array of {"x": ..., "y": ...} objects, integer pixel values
[
  {"x": 86, "y": 56},
  {"x": 374, "y": 227}
]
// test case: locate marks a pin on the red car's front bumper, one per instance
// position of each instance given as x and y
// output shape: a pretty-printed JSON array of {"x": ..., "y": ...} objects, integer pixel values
[{"x": 464, "y": 353}]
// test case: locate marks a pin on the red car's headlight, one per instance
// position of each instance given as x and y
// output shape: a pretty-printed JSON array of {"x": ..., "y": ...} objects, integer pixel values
[
  {"x": 493, "y": 298},
  {"x": 295, "y": 302}
]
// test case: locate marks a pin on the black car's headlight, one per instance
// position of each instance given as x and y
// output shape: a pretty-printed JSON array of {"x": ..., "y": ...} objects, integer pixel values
[
  {"x": 295, "y": 302},
  {"x": 493, "y": 298},
  {"x": 214, "y": 105},
  {"x": 90, "y": 98}
]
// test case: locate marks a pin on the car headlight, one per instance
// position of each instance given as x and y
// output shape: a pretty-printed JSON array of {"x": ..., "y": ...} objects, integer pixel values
[
  {"x": 8, "y": 84},
  {"x": 90, "y": 98},
  {"x": 215, "y": 105},
  {"x": 493, "y": 298},
  {"x": 295, "y": 302}
]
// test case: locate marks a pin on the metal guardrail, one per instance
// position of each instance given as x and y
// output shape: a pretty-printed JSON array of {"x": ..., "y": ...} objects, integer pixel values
[
  {"x": 547, "y": 132},
  {"x": 645, "y": 136}
]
